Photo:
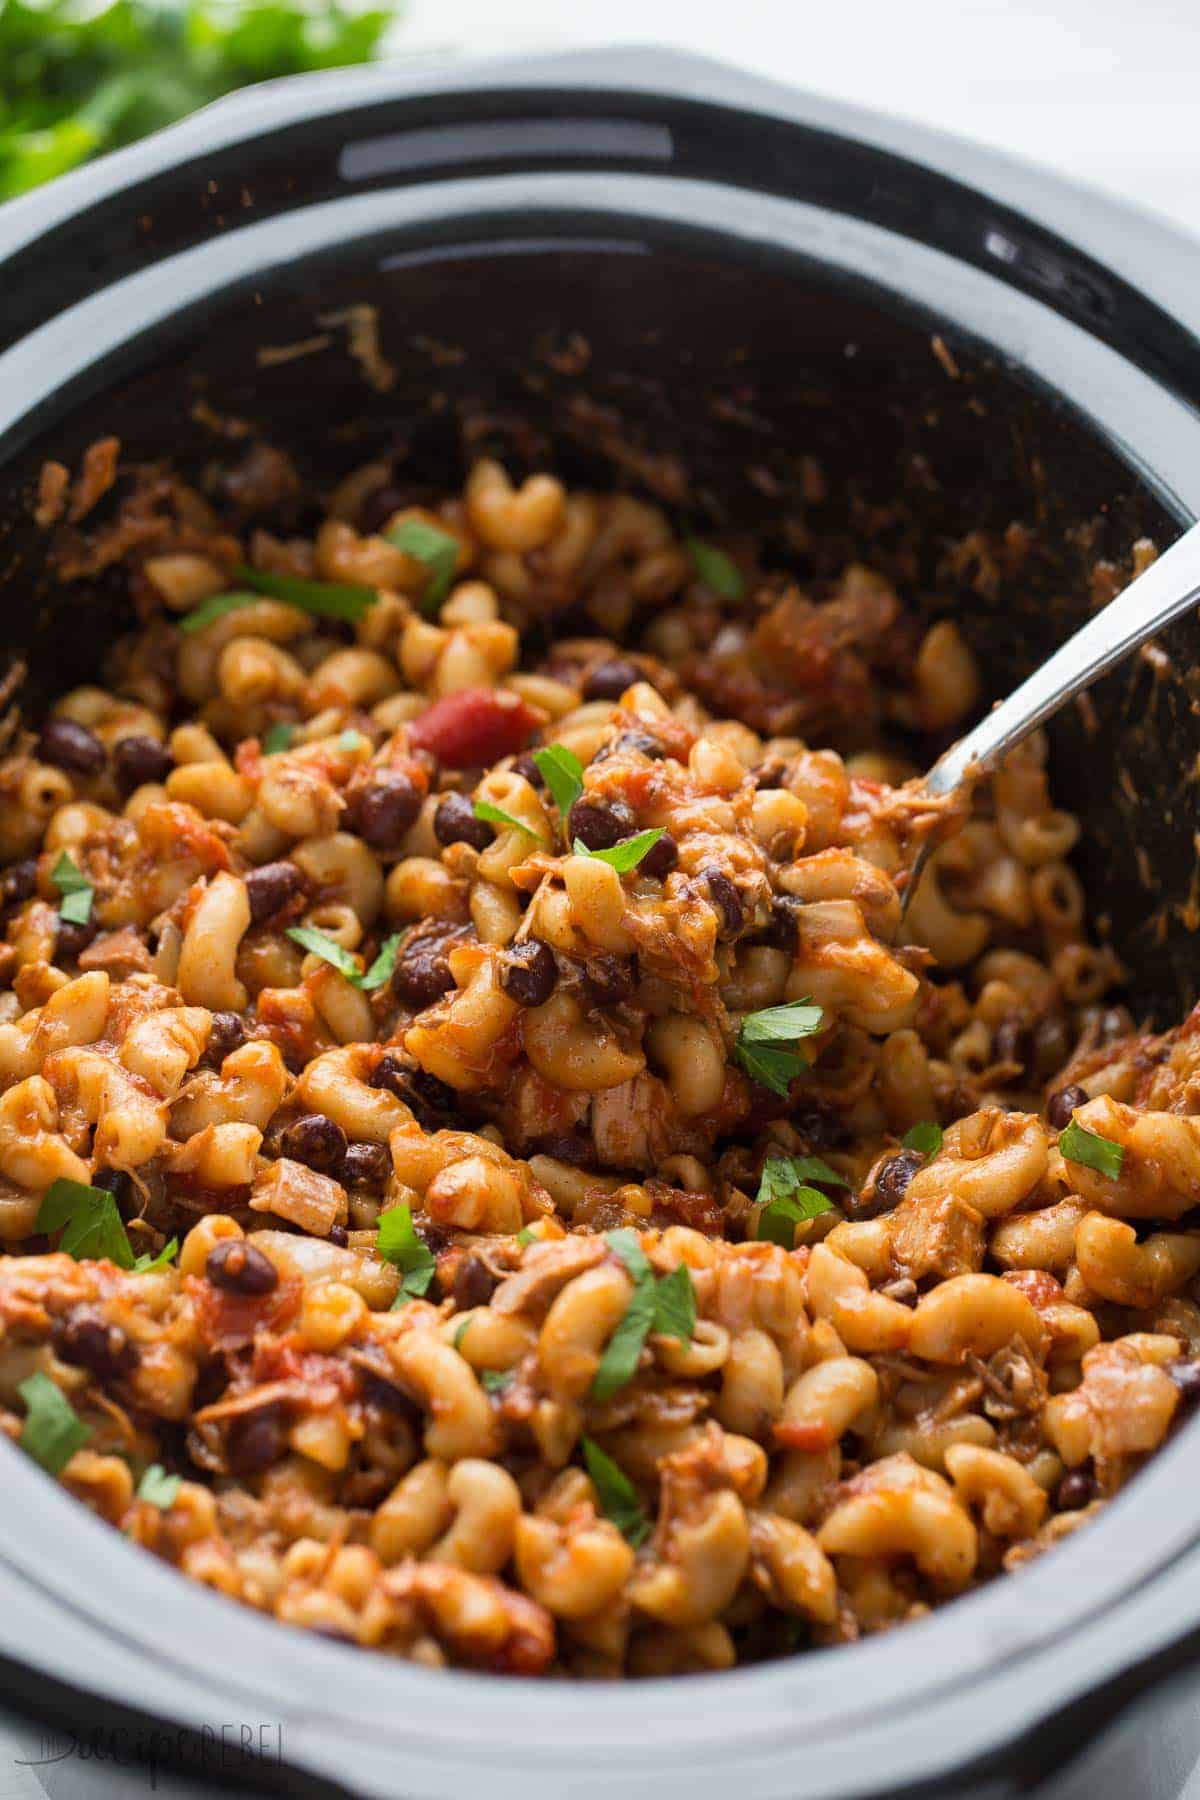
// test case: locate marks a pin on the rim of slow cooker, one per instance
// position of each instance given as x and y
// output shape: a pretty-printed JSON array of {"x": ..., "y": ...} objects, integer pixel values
[{"x": 983, "y": 1637}]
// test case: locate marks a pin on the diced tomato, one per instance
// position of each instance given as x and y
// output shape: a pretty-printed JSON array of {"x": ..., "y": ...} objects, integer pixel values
[{"x": 474, "y": 727}]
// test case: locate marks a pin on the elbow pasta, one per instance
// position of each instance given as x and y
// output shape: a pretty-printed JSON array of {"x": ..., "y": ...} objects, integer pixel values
[{"x": 429, "y": 1170}]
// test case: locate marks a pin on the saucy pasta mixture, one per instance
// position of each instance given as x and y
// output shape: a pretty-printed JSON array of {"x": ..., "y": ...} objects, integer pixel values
[{"x": 487, "y": 1171}]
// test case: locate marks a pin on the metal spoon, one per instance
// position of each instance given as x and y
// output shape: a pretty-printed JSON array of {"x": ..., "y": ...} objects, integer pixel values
[{"x": 1167, "y": 588}]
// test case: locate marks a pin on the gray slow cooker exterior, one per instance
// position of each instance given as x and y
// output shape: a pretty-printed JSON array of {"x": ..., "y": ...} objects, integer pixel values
[{"x": 1091, "y": 301}]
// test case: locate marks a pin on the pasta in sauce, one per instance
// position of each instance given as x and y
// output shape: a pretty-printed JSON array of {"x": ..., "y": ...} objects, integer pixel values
[{"x": 487, "y": 1171}]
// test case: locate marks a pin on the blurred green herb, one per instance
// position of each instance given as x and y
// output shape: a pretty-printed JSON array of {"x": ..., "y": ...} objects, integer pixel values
[{"x": 78, "y": 77}]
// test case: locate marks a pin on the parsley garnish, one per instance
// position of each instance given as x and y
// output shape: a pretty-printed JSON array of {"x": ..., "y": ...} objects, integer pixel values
[
  {"x": 495, "y": 815},
  {"x": 159, "y": 1488},
  {"x": 215, "y": 607},
  {"x": 344, "y": 961},
  {"x": 460, "y": 1332},
  {"x": 716, "y": 570},
  {"x": 786, "y": 1198},
  {"x": 616, "y": 1494},
  {"x": 438, "y": 550},
  {"x": 761, "y": 1038},
  {"x": 925, "y": 1137},
  {"x": 147, "y": 1264},
  {"x": 323, "y": 599},
  {"x": 384, "y": 966},
  {"x": 525, "y": 1236},
  {"x": 278, "y": 738},
  {"x": 562, "y": 772},
  {"x": 75, "y": 888},
  {"x": 624, "y": 856},
  {"x": 398, "y": 1243},
  {"x": 668, "y": 1306},
  {"x": 494, "y": 1381},
  {"x": 1079, "y": 1145},
  {"x": 53, "y": 1430},
  {"x": 88, "y": 1219}
]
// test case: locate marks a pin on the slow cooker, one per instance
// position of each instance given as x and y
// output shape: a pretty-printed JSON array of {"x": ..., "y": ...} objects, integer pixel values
[{"x": 675, "y": 276}]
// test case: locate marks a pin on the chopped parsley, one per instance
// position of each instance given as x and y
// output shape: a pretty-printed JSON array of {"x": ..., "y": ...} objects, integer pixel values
[
  {"x": 716, "y": 570},
  {"x": 925, "y": 1137},
  {"x": 562, "y": 772},
  {"x": 763, "y": 1037},
  {"x": 319, "y": 943},
  {"x": 147, "y": 1264},
  {"x": 215, "y": 607},
  {"x": 437, "y": 549},
  {"x": 384, "y": 966},
  {"x": 787, "y": 1199},
  {"x": 616, "y": 1494},
  {"x": 496, "y": 815},
  {"x": 668, "y": 1306},
  {"x": 526, "y": 1236},
  {"x": 1079, "y": 1145},
  {"x": 88, "y": 1219},
  {"x": 159, "y": 1488},
  {"x": 323, "y": 599},
  {"x": 398, "y": 1243},
  {"x": 53, "y": 1430},
  {"x": 495, "y": 1381},
  {"x": 626, "y": 855},
  {"x": 278, "y": 738},
  {"x": 76, "y": 890}
]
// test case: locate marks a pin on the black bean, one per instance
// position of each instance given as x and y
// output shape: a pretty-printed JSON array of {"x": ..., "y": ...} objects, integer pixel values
[
  {"x": 240, "y": 1268},
  {"x": 422, "y": 972},
  {"x": 339, "y": 1235},
  {"x": 256, "y": 1440},
  {"x": 891, "y": 1185},
  {"x": 19, "y": 882},
  {"x": 454, "y": 822},
  {"x": 72, "y": 940},
  {"x": 780, "y": 931},
  {"x": 599, "y": 824},
  {"x": 529, "y": 973},
  {"x": 379, "y": 1391},
  {"x": 316, "y": 1141},
  {"x": 1076, "y": 1489},
  {"x": 381, "y": 505},
  {"x": 821, "y": 1129},
  {"x": 1051, "y": 1046},
  {"x": 1061, "y": 1105},
  {"x": 1185, "y": 1373},
  {"x": 661, "y": 858},
  {"x": 365, "y": 1164},
  {"x": 770, "y": 774},
  {"x": 141, "y": 759},
  {"x": 226, "y": 1034},
  {"x": 71, "y": 746},
  {"x": 640, "y": 742},
  {"x": 1013, "y": 1042},
  {"x": 525, "y": 766},
  {"x": 610, "y": 679},
  {"x": 611, "y": 979},
  {"x": 272, "y": 887},
  {"x": 387, "y": 809},
  {"x": 727, "y": 901},
  {"x": 89, "y": 1343},
  {"x": 474, "y": 1283},
  {"x": 392, "y": 1075}
]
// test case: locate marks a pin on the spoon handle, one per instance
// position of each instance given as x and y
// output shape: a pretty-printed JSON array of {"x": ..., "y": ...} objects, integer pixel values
[{"x": 1167, "y": 588}]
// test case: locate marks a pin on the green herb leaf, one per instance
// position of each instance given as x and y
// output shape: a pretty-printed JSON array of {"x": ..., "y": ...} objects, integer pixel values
[
  {"x": 76, "y": 890},
  {"x": 762, "y": 1035},
  {"x": 562, "y": 772},
  {"x": 328, "y": 949},
  {"x": 782, "y": 1175},
  {"x": 278, "y": 738},
  {"x": 398, "y": 1243},
  {"x": 438, "y": 550},
  {"x": 619, "y": 1363},
  {"x": 495, "y": 815},
  {"x": 778, "y": 1220},
  {"x": 716, "y": 570},
  {"x": 616, "y": 1494},
  {"x": 1079, "y": 1145},
  {"x": 525, "y": 1236},
  {"x": 91, "y": 1226},
  {"x": 384, "y": 966},
  {"x": 215, "y": 607},
  {"x": 812, "y": 1168},
  {"x": 782, "y": 1024},
  {"x": 624, "y": 1245},
  {"x": 925, "y": 1137},
  {"x": 53, "y": 1430},
  {"x": 461, "y": 1332},
  {"x": 494, "y": 1381},
  {"x": 147, "y": 1264},
  {"x": 624, "y": 856},
  {"x": 675, "y": 1305},
  {"x": 323, "y": 599},
  {"x": 159, "y": 1488}
]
